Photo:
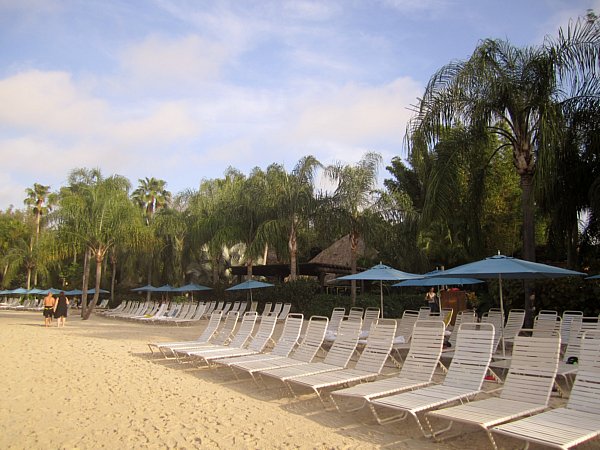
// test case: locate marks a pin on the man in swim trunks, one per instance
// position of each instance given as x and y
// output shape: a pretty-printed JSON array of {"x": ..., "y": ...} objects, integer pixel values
[{"x": 48, "y": 309}]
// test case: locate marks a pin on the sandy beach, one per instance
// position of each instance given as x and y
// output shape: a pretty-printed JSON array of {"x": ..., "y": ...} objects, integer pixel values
[{"x": 94, "y": 384}]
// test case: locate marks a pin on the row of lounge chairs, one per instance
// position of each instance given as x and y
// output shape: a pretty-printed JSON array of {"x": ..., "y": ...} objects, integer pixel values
[
  {"x": 188, "y": 313},
  {"x": 36, "y": 304},
  {"x": 526, "y": 391}
]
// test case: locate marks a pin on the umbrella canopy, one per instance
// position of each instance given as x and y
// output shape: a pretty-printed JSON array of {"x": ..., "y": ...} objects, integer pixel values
[
  {"x": 164, "y": 288},
  {"x": 93, "y": 291},
  {"x": 51, "y": 290},
  {"x": 249, "y": 285},
  {"x": 595, "y": 277},
  {"x": 34, "y": 291},
  {"x": 18, "y": 291},
  {"x": 191, "y": 288},
  {"x": 440, "y": 281},
  {"x": 381, "y": 273},
  {"x": 506, "y": 267},
  {"x": 74, "y": 292},
  {"x": 147, "y": 288}
]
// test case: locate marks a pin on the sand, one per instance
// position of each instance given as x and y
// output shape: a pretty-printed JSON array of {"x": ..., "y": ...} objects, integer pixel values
[{"x": 94, "y": 384}]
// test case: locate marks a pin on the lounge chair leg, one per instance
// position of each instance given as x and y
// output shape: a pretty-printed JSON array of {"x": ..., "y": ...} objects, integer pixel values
[
  {"x": 434, "y": 433},
  {"x": 491, "y": 439},
  {"x": 391, "y": 419}
]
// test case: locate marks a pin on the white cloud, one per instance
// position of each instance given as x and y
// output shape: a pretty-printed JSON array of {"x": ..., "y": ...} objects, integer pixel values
[
  {"x": 357, "y": 115},
  {"x": 173, "y": 60}
]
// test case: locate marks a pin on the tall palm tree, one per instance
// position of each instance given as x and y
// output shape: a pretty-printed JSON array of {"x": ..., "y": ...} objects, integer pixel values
[
  {"x": 292, "y": 198},
  {"x": 96, "y": 217},
  {"x": 352, "y": 201},
  {"x": 517, "y": 93},
  {"x": 151, "y": 195}
]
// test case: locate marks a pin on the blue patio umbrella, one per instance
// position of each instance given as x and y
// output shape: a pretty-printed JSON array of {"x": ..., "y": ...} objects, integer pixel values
[
  {"x": 506, "y": 267},
  {"x": 441, "y": 281},
  {"x": 381, "y": 272},
  {"x": 249, "y": 285},
  {"x": 74, "y": 292},
  {"x": 147, "y": 288},
  {"x": 93, "y": 291},
  {"x": 34, "y": 291},
  {"x": 19, "y": 291},
  {"x": 192, "y": 287},
  {"x": 594, "y": 277}
]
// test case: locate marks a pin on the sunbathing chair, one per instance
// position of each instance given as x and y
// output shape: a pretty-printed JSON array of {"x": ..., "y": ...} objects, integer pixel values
[
  {"x": 282, "y": 348},
  {"x": 404, "y": 334},
  {"x": 369, "y": 364},
  {"x": 371, "y": 315},
  {"x": 462, "y": 382},
  {"x": 238, "y": 340},
  {"x": 196, "y": 316},
  {"x": 514, "y": 323},
  {"x": 277, "y": 308},
  {"x": 526, "y": 390},
  {"x": 221, "y": 337},
  {"x": 569, "y": 319},
  {"x": 306, "y": 351},
  {"x": 266, "y": 310},
  {"x": 337, "y": 357},
  {"x": 546, "y": 323},
  {"x": 209, "y": 309},
  {"x": 257, "y": 343},
  {"x": 356, "y": 312},
  {"x": 334, "y": 322},
  {"x": 579, "y": 421},
  {"x": 284, "y": 311},
  {"x": 207, "y": 334},
  {"x": 417, "y": 370}
]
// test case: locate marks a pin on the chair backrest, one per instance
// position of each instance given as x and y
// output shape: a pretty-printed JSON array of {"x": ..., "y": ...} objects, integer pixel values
[
  {"x": 546, "y": 323},
  {"x": 532, "y": 369},
  {"x": 355, "y": 311},
  {"x": 227, "y": 307},
  {"x": 472, "y": 356},
  {"x": 199, "y": 312},
  {"x": 407, "y": 323},
  {"x": 425, "y": 350},
  {"x": 585, "y": 394},
  {"x": 277, "y": 308},
  {"x": 569, "y": 319},
  {"x": 424, "y": 312},
  {"x": 465, "y": 316},
  {"x": 183, "y": 311},
  {"x": 226, "y": 330},
  {"x": 284, "y": 311},
  {"x": 313, "y": 339},
  {"x": 345, "y": 342},
  {"x": 496, "y": 318},
  {"x": 336, "y": 317},
  {"x": 253, "y": 305},
  {"x": 289, "y": 335},
  {"x": 161, "y": 310},
  {"x": 267, "y": 309},
  {"x": 236, "y": 307},
  {"x": 514, "y": 323},
  {"x": 211, "y": 326},
  {"x": 244, "y": 333},
  {"x": 371, "y": 314},
  {"x": 220, "y": 305},
  {"x": 243, "y": 306},
  {"x": 210, "y": 308},
  {"x": 379, "y": 345},
  {"x": 264, "y": 333}
]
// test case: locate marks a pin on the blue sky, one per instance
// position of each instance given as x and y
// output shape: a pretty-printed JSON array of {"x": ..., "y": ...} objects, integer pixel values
[{"x": 182, "y": 89}]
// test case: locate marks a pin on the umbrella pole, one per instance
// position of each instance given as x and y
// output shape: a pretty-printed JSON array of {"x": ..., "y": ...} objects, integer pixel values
[
  {"x": 381, "y": 297},
  {"x": 502, "y": 316}
]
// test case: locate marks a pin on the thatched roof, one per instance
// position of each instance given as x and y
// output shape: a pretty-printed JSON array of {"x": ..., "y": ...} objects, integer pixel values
[{"x": 338, "y": 253}]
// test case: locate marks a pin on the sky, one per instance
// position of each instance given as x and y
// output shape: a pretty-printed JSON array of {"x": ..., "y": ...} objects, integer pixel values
[{"x": 180, "y": 90}]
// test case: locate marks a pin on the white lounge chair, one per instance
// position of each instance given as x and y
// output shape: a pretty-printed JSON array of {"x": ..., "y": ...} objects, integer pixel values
[
  {"x": 304, "y": 353},
  {"x": 417, "y": 370},
  {"x": 463, "y": 380},
  {"x": 368, "y": 367},
  {"x": 526, "y": 390},
  {"x": 207, "y": 334},
  {"x": 579, "y": 421}
]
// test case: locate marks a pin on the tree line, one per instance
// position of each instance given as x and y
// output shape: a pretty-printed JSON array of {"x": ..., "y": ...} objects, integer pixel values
[{"x": 503, "y": 154}]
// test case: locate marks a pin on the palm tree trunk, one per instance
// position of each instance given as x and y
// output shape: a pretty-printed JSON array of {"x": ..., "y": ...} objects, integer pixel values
[
  {"x": 99, "y": 260},
  {"x": 215, "y": 269},
  {"x": 293, "y": 247},
  {"x": 528, "y": 237},
  {"x": 249, "y": 269},
  {"x": 84, "y": 281},
  {"x": 113, "y": 278},
  {"x": 353, "y": 258}
]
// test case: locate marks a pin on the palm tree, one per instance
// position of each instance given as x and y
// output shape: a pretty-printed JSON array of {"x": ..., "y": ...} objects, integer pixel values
[
  {"x": 351, "y": 204},
  {"x": 517, "y": 93},
  {"x": 151, "y": 195},
  {"x": 96, "y": 217},
  {"x": 520, "y": 94},
  {"x": 291, "y": 196}
]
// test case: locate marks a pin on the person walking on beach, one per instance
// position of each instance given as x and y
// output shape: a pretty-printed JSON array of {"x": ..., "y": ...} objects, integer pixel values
[
  {"x": 60, "y": 309},
  {"x": 48, "y": 311}
]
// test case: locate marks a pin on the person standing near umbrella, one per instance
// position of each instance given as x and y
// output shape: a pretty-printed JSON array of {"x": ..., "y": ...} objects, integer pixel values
[
  {"x": 432, "y": 300},
  {"x": 60, "y": 309},
  {"x": 49, "y": 302}
]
